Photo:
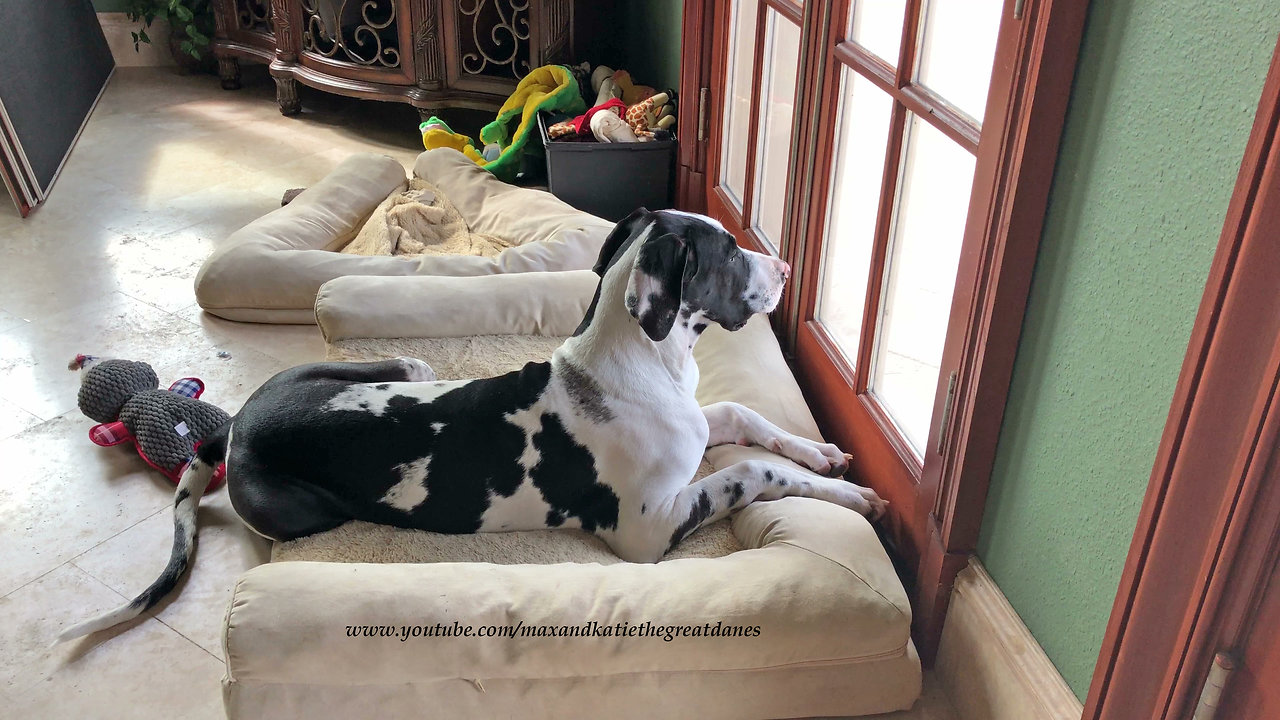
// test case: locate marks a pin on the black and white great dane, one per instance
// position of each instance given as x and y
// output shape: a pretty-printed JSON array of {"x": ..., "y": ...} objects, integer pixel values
[{"x": 605, "y": 437}]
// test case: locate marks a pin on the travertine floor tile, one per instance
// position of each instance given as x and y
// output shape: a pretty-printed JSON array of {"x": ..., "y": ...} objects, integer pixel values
[
  {"x": 932, "y": 706},
  {"x": 141, "y": 669},
  {"x": 33, "y": 358},
  {"x": 36, "y": 613},
  {"x": 14, "y": 419},
  {"x": 225, "y": 549},
  {"x": 291, "y": 344},
  {"x": 63, "y": 495},
  {"x": 9, "y": 321}
]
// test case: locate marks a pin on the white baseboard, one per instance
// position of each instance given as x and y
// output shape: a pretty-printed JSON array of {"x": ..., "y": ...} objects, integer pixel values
[
  {"x": 117, "y": 27},
  {"x": 990, "y": 666}
]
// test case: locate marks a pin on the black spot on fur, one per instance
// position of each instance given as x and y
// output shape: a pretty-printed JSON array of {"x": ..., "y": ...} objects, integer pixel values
[
  {"x": 782, "y": 483},
  {"x": 685, "y": 313},
  {"x": 735, "y": 494},
  {"x": 699, "y": 327},
  {"x": 620, "y": 239},
  {"x": 591, "y": 312},
  {"x": 768, "y": 476},
  {"x": 566, "y": 475},
  {"x": 586, "y": 393},
  {"x": 303, "y": 468},
  {"x": 398, "y": 404},
  {"x": 182, "y": 495},
  {"x": 615, "y": 246},
  {"x": 555, "y": 518},
  {"x": 700, "y": 511},
  {"x": 643, "y": 507},
  {"x": 383, "y": 386}
]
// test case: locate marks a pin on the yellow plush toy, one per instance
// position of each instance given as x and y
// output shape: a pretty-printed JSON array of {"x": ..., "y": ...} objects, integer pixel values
[{"x": 551, "y": 87}]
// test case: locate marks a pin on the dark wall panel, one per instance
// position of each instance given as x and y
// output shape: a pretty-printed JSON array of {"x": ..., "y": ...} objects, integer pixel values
[{"x": 54, "y": 61}]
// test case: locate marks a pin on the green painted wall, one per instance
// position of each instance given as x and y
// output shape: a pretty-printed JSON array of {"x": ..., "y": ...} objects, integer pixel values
[
  {"x": 1164, "y": 97},
  {"x": 650, "y": 37}
]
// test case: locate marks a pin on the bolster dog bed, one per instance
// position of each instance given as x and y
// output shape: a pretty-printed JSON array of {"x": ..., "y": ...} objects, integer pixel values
[
  {"x": 269, "y": 270},
  {"x": 797, "y": 609}
]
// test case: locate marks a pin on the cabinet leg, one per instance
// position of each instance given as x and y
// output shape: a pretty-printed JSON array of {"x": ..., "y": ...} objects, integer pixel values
[
  {"x": 424, "y": 114},
  {"x": 229, "y": 71},
  {"x": 287, "y": 96}
]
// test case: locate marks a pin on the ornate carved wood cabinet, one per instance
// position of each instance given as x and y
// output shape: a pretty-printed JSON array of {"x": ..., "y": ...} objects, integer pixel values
[{"x": 430, "y": 54}]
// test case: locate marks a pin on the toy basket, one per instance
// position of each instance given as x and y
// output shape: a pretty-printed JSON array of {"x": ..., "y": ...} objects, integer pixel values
[{"x": 609, "y": 180}]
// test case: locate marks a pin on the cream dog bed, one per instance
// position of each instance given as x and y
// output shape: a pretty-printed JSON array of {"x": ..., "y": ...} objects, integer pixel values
[
  {"x": 269, "y": 270},
  {"x": 829, "y": 619}
]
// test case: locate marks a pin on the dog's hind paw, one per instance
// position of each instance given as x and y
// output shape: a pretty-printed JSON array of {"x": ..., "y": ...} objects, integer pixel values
[{"x": 416, "y": 370}]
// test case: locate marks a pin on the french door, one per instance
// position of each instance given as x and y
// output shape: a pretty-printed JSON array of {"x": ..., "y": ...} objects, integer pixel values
[
  {"x": 885, "y": 148},
  {"x": 757, "y": 115}
]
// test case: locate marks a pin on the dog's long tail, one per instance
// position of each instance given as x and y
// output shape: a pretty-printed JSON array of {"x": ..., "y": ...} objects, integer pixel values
[{"x": 195, "y": 479}]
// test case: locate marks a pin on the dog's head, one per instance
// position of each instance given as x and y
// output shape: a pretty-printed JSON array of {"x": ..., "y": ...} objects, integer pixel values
[{"x": 688, "y": 268}]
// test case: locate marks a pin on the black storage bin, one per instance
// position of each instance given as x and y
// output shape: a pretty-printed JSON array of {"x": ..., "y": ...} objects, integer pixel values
[{"x": 609, "y": 180}]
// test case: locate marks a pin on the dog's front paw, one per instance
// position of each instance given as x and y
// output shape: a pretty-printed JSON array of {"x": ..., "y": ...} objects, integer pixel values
[
  {"x": 416, "y": 370},
  {"x": 874, "y": 504},
  {"x": 823, "y": 458}
]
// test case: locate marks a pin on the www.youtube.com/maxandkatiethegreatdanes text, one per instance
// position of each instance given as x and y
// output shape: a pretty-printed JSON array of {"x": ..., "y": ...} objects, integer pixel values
[{"x": 590, "y": 629}]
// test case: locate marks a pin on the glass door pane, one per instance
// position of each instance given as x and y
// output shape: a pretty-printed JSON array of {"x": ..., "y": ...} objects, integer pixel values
[
  {"x": 877, "y": 26},
  {"x": 957, "y": 47},
  {"x": 737, "y": 99},
  {"x": 924, "y": 252},
  {"x": 777, "y": 107},
  {"x": 863, "y": 132}
]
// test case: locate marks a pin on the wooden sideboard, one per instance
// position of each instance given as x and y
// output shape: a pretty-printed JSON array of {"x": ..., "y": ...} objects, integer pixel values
[{"x": 431, "y": 54}]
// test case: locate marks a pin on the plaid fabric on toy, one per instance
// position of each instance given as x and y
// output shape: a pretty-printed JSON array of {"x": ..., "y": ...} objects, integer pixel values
[{"x": 188, "y": 387}]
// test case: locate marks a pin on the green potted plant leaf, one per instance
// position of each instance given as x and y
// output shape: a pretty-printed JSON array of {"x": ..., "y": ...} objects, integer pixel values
[{"x": 191, "y": 23}]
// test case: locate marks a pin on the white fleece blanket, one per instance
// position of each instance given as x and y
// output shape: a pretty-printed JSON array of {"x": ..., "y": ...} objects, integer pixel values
[{"x": 418, "y": 219}]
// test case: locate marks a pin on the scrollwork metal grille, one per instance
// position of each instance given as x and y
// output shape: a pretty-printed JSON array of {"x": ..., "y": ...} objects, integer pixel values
[
  {"x": 498, "y": 41},
  {"x": 364, "y": 35},
  {"x": 253, "y": 15}
]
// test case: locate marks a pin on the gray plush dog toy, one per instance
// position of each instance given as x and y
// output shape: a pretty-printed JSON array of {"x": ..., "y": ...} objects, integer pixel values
[{"x": 165, "y": 426}]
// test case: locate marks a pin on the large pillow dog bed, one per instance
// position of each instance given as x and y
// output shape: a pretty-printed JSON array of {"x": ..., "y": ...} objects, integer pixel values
[
  {"x": 826, "y": 622},
  {"x": 269, "y": 270}
]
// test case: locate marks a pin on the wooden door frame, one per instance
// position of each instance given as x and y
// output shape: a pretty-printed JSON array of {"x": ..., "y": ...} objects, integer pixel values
[
  {"x": 1209, "y": 529},
  {"x": 694, "y": 123},
  {"x": 1012, "y": 178},
  {"x": 1012, "y": 182},
  {"x": 1013, "y": 175}
]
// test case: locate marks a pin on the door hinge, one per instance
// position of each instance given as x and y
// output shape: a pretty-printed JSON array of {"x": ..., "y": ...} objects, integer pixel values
[
  {"x": 1211, "y": 695},
  {"x": 1017, "y": 9},
  {"x": 946, "y": 411},
  {"x": 704, "y": 95}
]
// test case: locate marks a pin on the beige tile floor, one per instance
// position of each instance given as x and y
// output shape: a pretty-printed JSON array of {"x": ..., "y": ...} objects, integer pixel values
[{"x": 166, "y": 168}]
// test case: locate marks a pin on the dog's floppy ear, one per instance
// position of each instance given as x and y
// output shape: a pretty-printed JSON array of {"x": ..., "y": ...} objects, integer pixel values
[
  {"x": 622, "y": 232},
  {"x": 662, "y": 270}
]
